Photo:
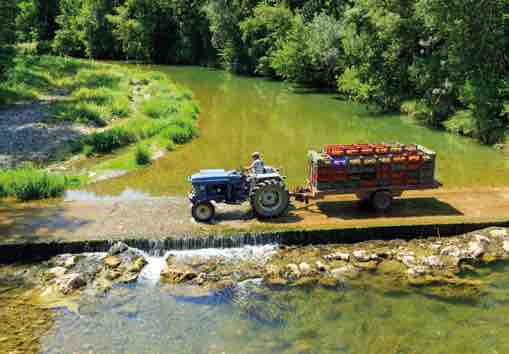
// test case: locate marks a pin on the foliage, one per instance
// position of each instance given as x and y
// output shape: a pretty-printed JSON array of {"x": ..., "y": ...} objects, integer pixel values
[
  {"x": 311, "y": 53},
  {"x": 262, "y": 31},
  {"x": 143, "y": 155},
  {"x": 28, "y": 183}
]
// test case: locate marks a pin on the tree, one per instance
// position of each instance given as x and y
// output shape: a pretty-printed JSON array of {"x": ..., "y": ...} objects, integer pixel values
[
  {"x": 261, "y": 32},
  {"x": 379, "y": 40},
  {"x": 7, "y": 33},
  {"x": 311, "y": 53}
]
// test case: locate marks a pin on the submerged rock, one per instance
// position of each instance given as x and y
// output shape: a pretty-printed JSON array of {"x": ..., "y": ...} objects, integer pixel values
[
  {"x": 112, "y": 261},
  {"x": 364, "y": 256},
  {"x": 56, "y": 272},
  {"x": 117, "y": 248},
  {"x": 70, "y": 282},
  {"x": 499, "y": 233},
  {"x": 178, "y": 273}
]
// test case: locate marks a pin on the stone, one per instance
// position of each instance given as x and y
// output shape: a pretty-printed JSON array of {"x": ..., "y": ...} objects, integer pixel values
[
  {"x": 475, "y": 249},
  {"x": 344, "y": 272},
  {"x": 506, "y": 245},
  {"x": 70, "y": 262},
  {"x": 305, "y": 268},
  {"x": 322, "y": 267},
  {"x": 343, "y": 256},
  {"x": 70, "y": 282},
  {"x": 113, "y": 274},
  {"x": 112, "y": 261},
  {"x": 433, "y": 261},
  {"x": 292, "y": 271},
  {"x": 408, "y": 260},
  {"x": 417, "y": 271},
  {"x": 364, "y": 256},
  {"x": 482, "y": 239},
  {"x": 127, "y": 278},
  {"x": 178, "y": 274},
  {"x": 275, "y": 281},
  {"x": 63, "y": 259},
  {"x": 452, "y": 251},
  {"x": 117, "y": 248},
  {"x": 137, "y": 265},
  {"x": 56, "y": 272},
  {"x": 499, "y": 233}
]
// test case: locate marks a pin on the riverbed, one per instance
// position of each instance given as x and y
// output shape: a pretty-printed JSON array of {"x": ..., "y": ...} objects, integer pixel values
[{"x": 240, "y": 115}]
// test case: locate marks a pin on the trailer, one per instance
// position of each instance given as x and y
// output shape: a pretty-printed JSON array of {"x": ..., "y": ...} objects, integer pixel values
[{"x": 375, "y": 173}]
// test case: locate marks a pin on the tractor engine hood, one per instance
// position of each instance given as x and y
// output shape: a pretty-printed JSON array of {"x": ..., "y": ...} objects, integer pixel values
[{"x": 217, "y": 175}]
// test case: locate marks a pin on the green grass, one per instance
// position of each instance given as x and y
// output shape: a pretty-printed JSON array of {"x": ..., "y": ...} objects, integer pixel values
[
  {"x": 143, "y": 155},
  {"x": 28, "y": 183},
  {"x": 133, "y": 112}
]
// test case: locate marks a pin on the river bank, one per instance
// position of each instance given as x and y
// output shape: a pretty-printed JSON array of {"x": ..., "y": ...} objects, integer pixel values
[{"x": 90, "y": 119}]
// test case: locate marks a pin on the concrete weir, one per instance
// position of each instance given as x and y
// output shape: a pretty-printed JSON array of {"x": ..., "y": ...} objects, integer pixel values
[{"x": 32, "y": 251}]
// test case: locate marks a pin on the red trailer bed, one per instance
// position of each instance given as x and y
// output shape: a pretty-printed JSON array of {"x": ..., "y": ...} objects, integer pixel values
[{"x": 374, "y": 172}]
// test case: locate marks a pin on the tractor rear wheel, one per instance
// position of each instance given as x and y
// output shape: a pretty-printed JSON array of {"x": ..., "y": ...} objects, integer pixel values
[
  {"x": 269, "y": 199},
  {"x": 203, "y": 211}
]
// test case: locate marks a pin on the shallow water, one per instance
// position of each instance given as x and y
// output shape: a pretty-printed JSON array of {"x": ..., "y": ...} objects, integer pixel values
[
  {"x": 360, "y": 318},
  {"x": 240, "y": 115}
]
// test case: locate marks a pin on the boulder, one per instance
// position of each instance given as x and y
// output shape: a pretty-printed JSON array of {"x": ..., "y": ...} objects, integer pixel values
[
  {"x": 407, "y": 260},
  {"x": 112, "y": 261},
  {"x": 475, "y": 249},
  {"x": 499, "y": 233},
  {"x": 452, "y": 251},
  {"x": 321, "y": 267},
  {"x": 137, "y": 265},
  {"x": 292, "y": 271},
  {"x": 305, "y": 268},
  {"x": 65, "y": 260},
  {"x": 70, "y": 282},
  {"x": 433, "y": 261},
  {"x": 343, "y": 256},
  {"x": 178, "y": 274},
  {"x": 506, "y": 245},
  {"x": 341, "y": 273},
  {"x": 417, "y": 271},
  {"x": 482, "y": 239},
  {"x": 56, "y": 272},
  {"x": 364, "y": 256},
  {"x": 117, "y": 248}
]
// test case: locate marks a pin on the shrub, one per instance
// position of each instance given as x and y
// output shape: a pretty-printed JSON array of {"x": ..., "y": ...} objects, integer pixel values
[
  {"x": 143, "y": 155},
  {"x": 170, "y": 146},
  {"x": 109, "y": 140},
  {"x": 28, "y": 183},
  {"x": 462, "y": 122}
]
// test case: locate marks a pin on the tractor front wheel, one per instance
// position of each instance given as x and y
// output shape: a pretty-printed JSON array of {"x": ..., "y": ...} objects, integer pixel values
[
  {"x": 270, "y": 199},
  {"x": 203, "y": 211}
]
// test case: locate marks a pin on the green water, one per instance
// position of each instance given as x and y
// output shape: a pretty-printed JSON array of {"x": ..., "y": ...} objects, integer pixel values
[
  {"x": 146, "y": 318},
  {"x": 240, "y": 115}
]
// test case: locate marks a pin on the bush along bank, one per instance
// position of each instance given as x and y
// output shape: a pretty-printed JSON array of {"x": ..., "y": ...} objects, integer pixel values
[
  {"x": 99, "y": 110},
  {"x": 29, "y": 183}
]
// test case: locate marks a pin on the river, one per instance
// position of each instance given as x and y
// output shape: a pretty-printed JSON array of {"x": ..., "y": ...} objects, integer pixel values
[{"x": 240, "y": 115}]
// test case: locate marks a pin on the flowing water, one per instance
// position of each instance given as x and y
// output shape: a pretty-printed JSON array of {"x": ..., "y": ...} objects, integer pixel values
[
  {"x": 148, "y": 317},
  {"x": 240, "y": 115}
]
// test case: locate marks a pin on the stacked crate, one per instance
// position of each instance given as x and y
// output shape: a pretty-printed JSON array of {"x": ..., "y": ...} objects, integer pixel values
[{"x": 360, "y": 166}]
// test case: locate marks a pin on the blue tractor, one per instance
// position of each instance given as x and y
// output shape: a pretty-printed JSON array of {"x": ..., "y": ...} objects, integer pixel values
[{"x": 267, "y": 192}]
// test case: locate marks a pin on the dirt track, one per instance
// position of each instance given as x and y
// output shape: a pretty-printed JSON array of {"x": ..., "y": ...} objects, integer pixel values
[{"x": 169, "y": 217}]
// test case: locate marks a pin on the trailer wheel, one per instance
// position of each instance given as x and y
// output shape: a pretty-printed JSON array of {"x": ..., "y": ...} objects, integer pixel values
[
  {"x": 270, "y": 199},
  {"x": 203, "y": 211},
  {"x": 381, "y": 200}
]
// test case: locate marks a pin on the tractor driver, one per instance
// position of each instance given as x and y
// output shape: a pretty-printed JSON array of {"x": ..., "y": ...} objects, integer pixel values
[{"x": 257, "y": 166}]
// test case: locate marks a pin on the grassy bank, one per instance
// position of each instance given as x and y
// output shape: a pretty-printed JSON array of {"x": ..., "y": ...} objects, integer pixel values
[
  {"x": 128, "y": 114},
  {"x": 29, "y": 183}
]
